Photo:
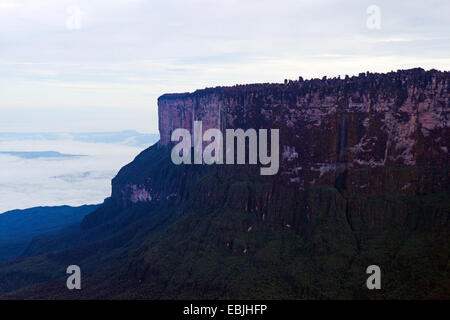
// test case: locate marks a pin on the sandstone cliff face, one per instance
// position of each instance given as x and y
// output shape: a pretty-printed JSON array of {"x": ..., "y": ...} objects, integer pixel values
[{"x": 371, "y": 134}]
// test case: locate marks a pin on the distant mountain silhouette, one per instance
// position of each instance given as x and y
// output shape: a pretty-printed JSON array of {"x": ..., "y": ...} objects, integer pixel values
[
  {"x": 128, "y": 137},
  {"x": 18, "y": 227},
  {"x": 39, "y": 154}
]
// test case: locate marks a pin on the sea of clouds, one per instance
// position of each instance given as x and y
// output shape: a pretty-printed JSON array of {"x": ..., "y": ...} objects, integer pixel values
[{"x": 64, "y": 180}]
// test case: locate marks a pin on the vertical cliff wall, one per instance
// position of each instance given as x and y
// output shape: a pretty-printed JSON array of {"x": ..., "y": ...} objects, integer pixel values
[
  {"x": 365, "y": 135},
  {"x": 331, "y": 127}
]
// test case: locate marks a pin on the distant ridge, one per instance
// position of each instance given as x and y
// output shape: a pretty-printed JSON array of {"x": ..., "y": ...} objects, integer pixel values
[
  {"x": 18, "y": 227},
  {"x": 40, "y": 154},
  {"x": 127, "y": 137}
]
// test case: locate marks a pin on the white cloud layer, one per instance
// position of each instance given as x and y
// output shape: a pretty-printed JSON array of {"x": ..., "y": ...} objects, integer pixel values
[{"x": 26, "y": 183}]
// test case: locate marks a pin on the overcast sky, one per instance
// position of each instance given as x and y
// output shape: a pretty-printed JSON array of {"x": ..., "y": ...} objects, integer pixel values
[{"x": 105, "y": 68}]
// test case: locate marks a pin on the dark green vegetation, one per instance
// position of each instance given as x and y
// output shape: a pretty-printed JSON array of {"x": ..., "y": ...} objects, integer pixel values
[
  {"x": 227, "y": 232},
  {"x": 18, "y": 227}
]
